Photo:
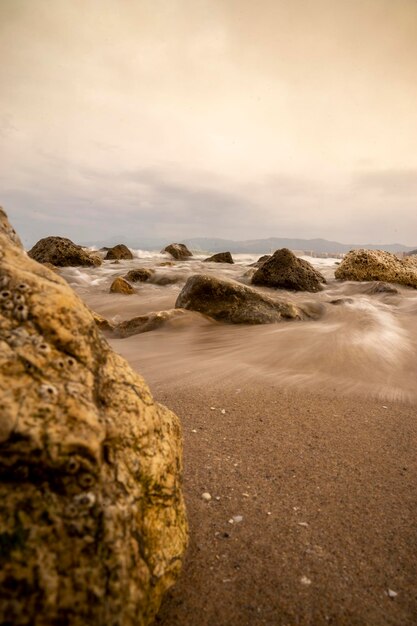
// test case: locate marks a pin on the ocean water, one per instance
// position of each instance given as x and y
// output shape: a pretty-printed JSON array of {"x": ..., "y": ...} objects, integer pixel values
[{"x": 365, "y": 345}]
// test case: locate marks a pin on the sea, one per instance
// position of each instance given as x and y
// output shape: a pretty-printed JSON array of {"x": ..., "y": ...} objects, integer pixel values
[{"x": 364, "y": 344}]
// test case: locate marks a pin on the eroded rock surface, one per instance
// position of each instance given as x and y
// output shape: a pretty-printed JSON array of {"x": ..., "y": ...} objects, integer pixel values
[
  {"x": 62, "y": 252},
  {"x": 118, "y": 252},
  {"x": 283, "y": 270},
  {"x": 220, "y": 257},
  {"x": 365, "y": 265},
  {"x": 178, "y": 250},
  {"x": 229, "y": 301},
  {"x": 92, "y": 519}
]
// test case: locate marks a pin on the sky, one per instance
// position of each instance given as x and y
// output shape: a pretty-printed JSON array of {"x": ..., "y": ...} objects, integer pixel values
[{"x": 220, "y": 118}]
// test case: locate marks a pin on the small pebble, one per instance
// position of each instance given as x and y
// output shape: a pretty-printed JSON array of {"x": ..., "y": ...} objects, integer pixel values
[
  {"x": 391, "y": 593},
  {"x": 237, "y": 518},
  {"x": 206, "y": 496},
  {"x": 305, "y": 581},
  {"x": 384, "y": 407},
  {"x": 305, "y": 524},
  {"x": 223, "y": 411},
  {"x": 194, "y": 430},
  {"x": 213, "y": 408},
  {"x": 245, "y": 495},
  {"x": 269, "y": 513}
]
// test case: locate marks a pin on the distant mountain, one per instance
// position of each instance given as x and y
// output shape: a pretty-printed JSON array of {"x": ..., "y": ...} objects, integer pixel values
[
  {"x": 252, "y": 246},
  {"x": 273, "y": 243}
]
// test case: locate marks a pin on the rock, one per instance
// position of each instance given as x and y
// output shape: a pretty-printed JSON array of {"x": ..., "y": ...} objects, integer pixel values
[
  {"x": 92, "y": 518},
  {"x": 285, "y": 271},
  {"x": 261, "y": 260},
  {"x": 120, "y": 285},
  {"x": 146, "y": 323},
  {"x": 178, "y": 250},
  {"x": 166, "y": 264},
  {"x": 366, "y": 265},
  {"x": 101, "y": 322},
  {"x": 118, "y": 252},
  {"x": 220, "y": 257},
  {"x": 62, "y": 252},
  {"x": 7, "y": 229},
  {"x": 377, "y": 287},
  {"x": 229, "y": 301},
  {"x": 141, "y": 274}
]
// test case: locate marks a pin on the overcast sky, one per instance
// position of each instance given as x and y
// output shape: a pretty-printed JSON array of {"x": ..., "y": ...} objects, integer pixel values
[{"x": 220, "y": 118}]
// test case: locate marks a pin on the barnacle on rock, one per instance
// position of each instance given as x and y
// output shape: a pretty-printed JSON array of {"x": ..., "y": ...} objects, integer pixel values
[
  {"x": 48, "y": 392},
  {"x": 19, "y": 298},
  {"x": 23, "y": 287},
  {"x": 6, "y": 294},
  {"x": 21, "y": 312}
]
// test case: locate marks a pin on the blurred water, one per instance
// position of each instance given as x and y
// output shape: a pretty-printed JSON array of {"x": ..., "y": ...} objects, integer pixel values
[{"x": 366, "y": 344}]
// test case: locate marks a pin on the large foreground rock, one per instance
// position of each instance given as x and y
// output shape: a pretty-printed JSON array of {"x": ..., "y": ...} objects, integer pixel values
[
  {"x": 92, "y": 519},
  {"x": 178, "y": 250},
  {"x": 283, "y": 270},
  {"x": 367, "y": 265},
  {"x": 62, "y": 252},
  {"x": 118, "y": 252},
  {"x": 220, "y": 257},
  {"x": 229, "y": 301}
]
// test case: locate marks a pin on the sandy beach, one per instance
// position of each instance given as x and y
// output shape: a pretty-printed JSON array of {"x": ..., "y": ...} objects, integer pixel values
[{"x": 326, "y": 489}]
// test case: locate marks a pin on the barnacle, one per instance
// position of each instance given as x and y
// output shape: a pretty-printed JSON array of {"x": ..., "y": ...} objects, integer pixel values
[
  {"x": 21, "y": 312},
  {"x": 48, "y": 392}
]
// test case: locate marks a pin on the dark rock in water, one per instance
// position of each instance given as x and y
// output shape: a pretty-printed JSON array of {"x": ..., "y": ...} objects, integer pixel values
[
  {"x": 178, "y": 250},
  {"x": 381, "y": 288},
  {"x": 92, "y": 525},
  {"x": 146, "y": 323},
  {"x": 339, "y": 301},
  {"x": 120, "y": 285},
  {"x": 286, "y": 271},
  {"x": 62, "y": 252},
  {"x": 261, "y": 260},
  {"x": 118, "y": 252},
  {"x": 141, "y": 274},
  {"x": 366, "y": 265},
  {"x": 229, "y": 301},
  {"x": 220, "y": 257}
]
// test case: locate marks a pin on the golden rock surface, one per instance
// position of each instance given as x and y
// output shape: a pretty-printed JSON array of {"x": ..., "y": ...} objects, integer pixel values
[{"x": 92, "y": 518}]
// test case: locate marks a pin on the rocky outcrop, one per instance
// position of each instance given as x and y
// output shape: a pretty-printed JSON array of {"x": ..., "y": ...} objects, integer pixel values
[
  {"x": 120, "y": 285},
  {"x": 118, "y": 252},
  {"x": 229, "y": 301},
  {"x": 92, "y": 519},
  {"x": 365, "y": 265},
  {"x": 62, "y": 252},
  {"x": 141, "y": 274},
  {"x": 220, "y": 257},
  {"x": 178, "y": 250},
  {"x": 286, "y": 271}
]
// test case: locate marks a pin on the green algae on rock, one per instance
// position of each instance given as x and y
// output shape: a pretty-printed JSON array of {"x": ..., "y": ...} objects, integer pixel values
[{"x": 92, "y": 524}]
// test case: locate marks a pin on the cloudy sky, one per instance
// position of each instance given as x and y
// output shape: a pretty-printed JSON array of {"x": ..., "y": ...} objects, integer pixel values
[{"x": 220, "y": 118}]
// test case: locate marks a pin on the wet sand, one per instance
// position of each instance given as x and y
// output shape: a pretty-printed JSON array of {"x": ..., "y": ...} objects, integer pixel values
[{"x": 326, "y": 487}]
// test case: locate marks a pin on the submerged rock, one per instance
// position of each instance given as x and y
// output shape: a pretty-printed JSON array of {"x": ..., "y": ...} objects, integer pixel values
[
  {"x": 220, "y": 257},
  {"x": 92, "y": 523},
  {"x": 120, "y": 285},
  {"x": 146, "y": 323},
  {"x": 141, "y": 274},
  {"x": 118, "y": 252},
  {"x": 283, "y": 270},
  {"x": 366, "y": 265},
  {"x": 229, "y": 301},
  {"x": 62, "y": 252},
  {"x": 261, "y": 260},
  {"x": 178, "y": 250}
]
